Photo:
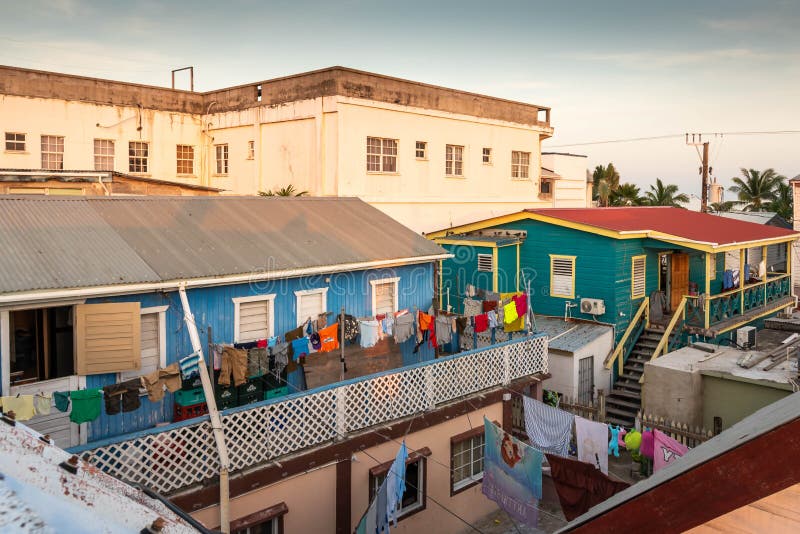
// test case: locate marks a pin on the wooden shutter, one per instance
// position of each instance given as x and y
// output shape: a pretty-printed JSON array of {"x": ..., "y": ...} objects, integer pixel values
[
  {"x": 310, "y": 306},
  {"x": 107, "y": 338},
  {"x": 253, "y": 320},
  {"x": 150, "y": 345},
  {"x": 485, "y": 263},
  {"x": 384, "y": 298},
  {"x": 563, "y": 275},
  {"x": 638, "y": 282}
]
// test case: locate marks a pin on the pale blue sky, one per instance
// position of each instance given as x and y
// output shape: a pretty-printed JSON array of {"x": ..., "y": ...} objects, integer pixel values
[{"x": 609, "y": 70}]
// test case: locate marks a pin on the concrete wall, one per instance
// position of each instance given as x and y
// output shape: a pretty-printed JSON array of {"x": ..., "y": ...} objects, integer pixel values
[
  {"x": 311, "y": 497},
  {"x": 572, "y": 190},
  {"x": 673, "y": 394},
  {"x": 733, "y": 400},
  {"x": 563, "y": 373}
]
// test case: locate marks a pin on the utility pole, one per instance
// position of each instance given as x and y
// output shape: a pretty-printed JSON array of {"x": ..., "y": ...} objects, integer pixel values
[{"x": 703, "y": 168}]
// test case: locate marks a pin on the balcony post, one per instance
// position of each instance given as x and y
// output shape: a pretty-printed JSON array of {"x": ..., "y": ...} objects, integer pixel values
[
  {"x": 707, "y": 300},
  {"x": 742, "y": 276}
]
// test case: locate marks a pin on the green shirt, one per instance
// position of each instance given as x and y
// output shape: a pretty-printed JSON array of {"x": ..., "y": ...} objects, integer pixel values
[{"x": 86, "y": 405}]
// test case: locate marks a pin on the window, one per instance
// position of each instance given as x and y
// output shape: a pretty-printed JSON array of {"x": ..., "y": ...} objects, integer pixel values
[
  {"x": 253, "y": 318},
  {"x": 638, "y": 279},
  {"x": 586, "y": 380},
  {"x": 466, "y": 459},
  {"x": 422, "y": 150},
  {"x": 41, "y": 344},
  {"x": 562, "y": 276},
  {"x": 103, "y": 155},
  {"x": 137, "y": 156},
  {"x": 311, "y": 303},
  {"x": 53, "y": 152},
  {"x": 266, "y": 521},
  {"x": 487, "y": 156},
  {"x": 520, "y": 164},
  {"x": 454, "y": 160},
  {"x": 545, "y": 188},
  {"x": 153, "y": 330},
  {"x": 413, "y": 499},
  {"x": 381, "y": 154},
  {"x": 251, "y": 150},
  {"x": 222, "y": 158},
  {"x": 384, "y": 295},
  {"x": 98, "y": 328},
  {"x": 185, "y": 158},
  {"x": 485, "y": 263},
  {"x": 15, "y": 142}
]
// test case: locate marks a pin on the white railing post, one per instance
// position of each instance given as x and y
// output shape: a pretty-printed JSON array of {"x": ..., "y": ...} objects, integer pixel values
[
  {"x": 430, "y": 388},
  {"x": 507, "y": 365},
  {"x": 340, "y": 424}
]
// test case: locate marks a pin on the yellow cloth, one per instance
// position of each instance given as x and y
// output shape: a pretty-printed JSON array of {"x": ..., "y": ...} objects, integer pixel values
[
  {"x": 22, "y": 406},
  {"x": 518, "y": 323},
  {"x": 42, "y": 404}
]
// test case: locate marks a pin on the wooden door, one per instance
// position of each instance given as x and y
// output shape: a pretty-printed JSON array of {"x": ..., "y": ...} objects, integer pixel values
[{"x": 679, "y": 279}]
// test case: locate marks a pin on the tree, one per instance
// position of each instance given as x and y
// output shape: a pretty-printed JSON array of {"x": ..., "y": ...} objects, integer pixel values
[
  {"x": 665, "y": 195},
  {"x": 627, "y": 194},
  {"x": 288, "y": 191},
  {"x": 722, "y": 206},
  {"x": 783, "y": 204},
  {"x": 756, "y": 188},
  {"x": 605, "y": 180}
]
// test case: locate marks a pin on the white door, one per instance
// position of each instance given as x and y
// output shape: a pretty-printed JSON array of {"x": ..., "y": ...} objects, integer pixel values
[{"x": 57, "y": 424}]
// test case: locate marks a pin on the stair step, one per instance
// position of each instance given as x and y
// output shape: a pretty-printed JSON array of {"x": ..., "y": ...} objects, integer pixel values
[
  {"x": 636, "y": 367},
  {"x": 633, "y": 377},
  {"x": 621, "y": 402},
  {"x": 626, "y": 393},
  {"x": 633, "y": 385},
  {"x": 621, "y": 412},
  {"x": 623, "y": 422}
]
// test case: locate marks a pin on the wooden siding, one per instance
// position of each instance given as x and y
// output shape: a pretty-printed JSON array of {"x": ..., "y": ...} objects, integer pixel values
[
  {"x": 213, "y": 307},
  {"x": 507, "y": 269},
  {"x": 460, "y": 270}
]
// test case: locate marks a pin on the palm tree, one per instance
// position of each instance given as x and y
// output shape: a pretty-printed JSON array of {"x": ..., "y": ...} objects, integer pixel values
[
  {"x": 722, "y": 206},
  {"x": 756, "y": 188},
  {"x": 288, "y": 191},
  {"x": 665, "y": 195},
  {"x": 627, "y": 194},
  {"x": 605, "y": 180},
  {"x": 783, "y": 204}
]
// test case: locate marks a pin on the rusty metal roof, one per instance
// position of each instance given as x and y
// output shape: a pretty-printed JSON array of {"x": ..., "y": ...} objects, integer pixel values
[{"x": 57, "y": 243}]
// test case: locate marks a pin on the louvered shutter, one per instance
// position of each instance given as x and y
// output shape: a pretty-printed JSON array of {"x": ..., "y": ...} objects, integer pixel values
[
  {"x": 563, "y": 276},
  {"x": 150, "y": 345},
  {"x": 107, "y": 338},
  {"x": 384, "y": 298},
  {"x": 253, "y": 320},
  {"x": 485, "y": 263},
  {"x": 638, "y": 277},
  {"x": 311, "y": 305}
]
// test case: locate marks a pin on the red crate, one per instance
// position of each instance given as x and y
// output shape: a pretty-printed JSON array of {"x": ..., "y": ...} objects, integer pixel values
[{"x": 183, "y": 413}]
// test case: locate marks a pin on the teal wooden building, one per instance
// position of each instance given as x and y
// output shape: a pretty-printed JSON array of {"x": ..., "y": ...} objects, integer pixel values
[{"x": 657, "y": 274}]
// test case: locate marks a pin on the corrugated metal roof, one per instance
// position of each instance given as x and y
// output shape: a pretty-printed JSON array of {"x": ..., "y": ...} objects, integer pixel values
[
  {"x": 488, "y": 239},
  {"x": 757, "y": 217},
  {"x": 570, "y": 336},
  {"x": 83, "y": 242}
]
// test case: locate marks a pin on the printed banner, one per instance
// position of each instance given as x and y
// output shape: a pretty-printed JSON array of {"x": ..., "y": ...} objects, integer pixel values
[
  {"x": 512, "y": 474},
  {"x": 666, "y": 450}
]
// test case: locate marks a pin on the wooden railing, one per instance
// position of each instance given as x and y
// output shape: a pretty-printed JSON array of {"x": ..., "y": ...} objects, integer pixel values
[
  {"x": 639, "y": 321},
  {"x": 664, "y": 344}
]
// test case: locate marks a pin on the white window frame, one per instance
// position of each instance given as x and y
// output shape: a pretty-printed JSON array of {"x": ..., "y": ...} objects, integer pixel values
[
  {"x": 221, "y": 164},
  {"x": 15, "y": 141},
  {"x": 383, "y": 155},
  {"x": 562, "y": 257},
  {"x": 137, "y": 159},
  {"x": 450, "y": 161},
  {"x": 486, "y": 155},
  {"x": 422, "y": 492},
  {"x": 302, "y": 293},
  {"x": 104, "y": 154},
  {"x": 53, "y": 141},
  {"x": 396, "y": 281},
  {"x": 270, "y": 298},
  {"x": 470, "y": 479},
  {"x": 162, "y": 337},
  {"x": 643, "y": 281},
  {"x": 421, "y": 150},
  {"x": 181, "y": 158},
  {"x": 520, "y": 170},
  {"x": 251, "y": 149}
]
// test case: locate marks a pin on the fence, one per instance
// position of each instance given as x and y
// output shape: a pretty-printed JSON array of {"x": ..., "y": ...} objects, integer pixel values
[
  {"x": 594, "y": 410},
  {"x": 182, "y": 454},
  {"x": 681, "y": 432}
]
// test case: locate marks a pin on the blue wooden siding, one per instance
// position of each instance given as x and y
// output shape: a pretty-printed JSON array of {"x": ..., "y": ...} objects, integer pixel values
[
  {"x": 213, "y": 306},
  {"x": 460, "y": 270}
]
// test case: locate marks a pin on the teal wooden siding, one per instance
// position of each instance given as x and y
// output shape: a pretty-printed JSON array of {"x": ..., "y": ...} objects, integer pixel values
[
  {"x": 507, "y": 269},
  {"x": 460, "y": 270}
]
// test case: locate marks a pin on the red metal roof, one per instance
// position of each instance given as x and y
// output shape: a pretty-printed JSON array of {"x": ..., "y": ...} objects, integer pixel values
[{"x": 677, "y": 222}]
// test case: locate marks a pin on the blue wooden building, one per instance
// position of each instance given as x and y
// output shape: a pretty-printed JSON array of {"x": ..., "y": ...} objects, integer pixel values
[{"x": 89, "y": 287}]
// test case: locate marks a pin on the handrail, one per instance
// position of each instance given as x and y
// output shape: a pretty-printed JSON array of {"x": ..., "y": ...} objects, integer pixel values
[
  {"x": 731, "y": 292},
  {"x": 663, "y": 343},
  {"x": 617, "y": 354}
]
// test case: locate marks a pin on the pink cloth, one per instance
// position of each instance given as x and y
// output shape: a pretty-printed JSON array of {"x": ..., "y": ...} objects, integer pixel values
[
  {"x": 646, "y": 448},
  {"x": 621, "y": 439},
  {"x": 666, "y": 450},
  {"x": 522, "y": 304}
]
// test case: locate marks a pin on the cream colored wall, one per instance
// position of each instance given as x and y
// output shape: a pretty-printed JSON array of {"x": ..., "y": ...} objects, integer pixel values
[
  {"x": 311, "y": 497},
  {"x": 78, "y": 123},
  {"x": 796, "y": 245},
  {"x": 571, "y": 190}
]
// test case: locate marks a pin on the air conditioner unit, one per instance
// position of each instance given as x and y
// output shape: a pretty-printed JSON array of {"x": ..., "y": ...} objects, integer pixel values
[
  {"x": 593, "y": 306},
  {"x": 746, "y": 337}
]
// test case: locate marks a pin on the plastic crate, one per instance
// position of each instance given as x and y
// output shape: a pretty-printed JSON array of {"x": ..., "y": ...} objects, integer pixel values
[
  {"x": 226, "y": 397},
  {"x": 254, "y": 386},
  {"x": 189, "y": 397},
  {"x": 249, "y": 398},
  {"x": 193, "y": 383},
  {"x": 183, "y": 413},
  {"x": 276, "y": 392}
]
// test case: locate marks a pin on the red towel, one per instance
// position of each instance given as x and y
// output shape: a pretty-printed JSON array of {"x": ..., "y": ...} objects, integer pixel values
[
  {"x": 522, "y": 304},
  {"x": 261, "y": 344},
  {"x": 481, "y": 322},
  {"x": 489, "y": 305}
]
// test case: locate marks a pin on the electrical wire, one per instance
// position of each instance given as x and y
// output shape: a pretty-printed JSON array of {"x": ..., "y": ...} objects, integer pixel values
[{"x": 671, "y": 136}]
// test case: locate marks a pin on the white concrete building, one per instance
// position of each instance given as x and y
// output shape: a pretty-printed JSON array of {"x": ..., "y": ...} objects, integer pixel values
[{"x": 429, "y": 156}]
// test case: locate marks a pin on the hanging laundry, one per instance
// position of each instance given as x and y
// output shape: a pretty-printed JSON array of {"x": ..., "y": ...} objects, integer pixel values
[
  {"x": 257, "y": 361},
  {"x": 481, "y": 323},
  {"x": 666, "y": 450},
  {"x": 171, "y": 377},
  {"x": 444, "y": 329},
  {"x": 369, "y": 332},
  {"x": 280, "y": 353},
  {"x": 86, "y": 405},
  {"x": 492, "y": 318},
  {"x": 189, "y": 366},
  {"x": 510, "y": 312},
  {"x": 489, "y": 305},
  {"x": 246, "y": 346},
  {"x": 300, "y": 348},
  {"x": 512, "y": 474},
  {"x": 396, "y": 483},
  {"x": 291, "y": 335},
  {"x": 234, "y": 362},
  {"x": 592, "y": 440},
  {"x": 321, "y": 322},
  {"x": 153, "y": 384},
  {"x": 130, "y": 399},
  {"x": 484, "y": 294},
  {"x": 21, "y": 405},
  {"x": 112, "y": 398},
  {"x": 403, "y": 327},
  {"x": 461, "y": 325},
  {"x": 580, "y": 485},
  {"x": 381, "y": 500},
  {"x": 216, "y": 353},
  {"x": 518, "y": 323},
  {"x": 548, "y": 428},
  {"x": 387, "y": 324},
  {"x": 42, "y": 404},
  {"x": 350, "y": 328},
  {"x": 61, "y": 399},
  {"x": 271, "y": 342},
  {"x": 466, "y": 339},
  {"x": 647, "y": 447},
  {"x": 472, "y": 307},
  {"x": 470, "y": 290},
  {"x": 521, "y": 302},
  {"x": 432, "y": 341},
  {"x": 329, "y": 336},
  {"x": 368, "y": 525},
  {"x": 261, "y": 344},
  {"x": 424, "y": 321}
]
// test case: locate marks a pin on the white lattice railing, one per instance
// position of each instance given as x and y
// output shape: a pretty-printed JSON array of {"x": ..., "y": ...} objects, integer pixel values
[{"x": 182, "y": 454}]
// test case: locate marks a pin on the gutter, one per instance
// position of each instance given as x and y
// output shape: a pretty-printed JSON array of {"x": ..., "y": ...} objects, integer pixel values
[
  {"x": 126, "y": 289},
  {"x": 174, "y": 509}
]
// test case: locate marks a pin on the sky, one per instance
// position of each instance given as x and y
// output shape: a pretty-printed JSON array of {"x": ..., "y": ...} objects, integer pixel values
[{"x": 609, "y": 70}]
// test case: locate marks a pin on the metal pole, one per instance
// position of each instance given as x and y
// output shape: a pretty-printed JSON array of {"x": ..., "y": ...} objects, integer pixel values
[
  {"x": 704, "y": 196},
  {"x": 341, "y": 345}
]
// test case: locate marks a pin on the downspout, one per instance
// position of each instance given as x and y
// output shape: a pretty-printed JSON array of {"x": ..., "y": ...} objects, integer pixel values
[
  {"x": 216, "y": 422},
  {"x": 100, "y": 181}
]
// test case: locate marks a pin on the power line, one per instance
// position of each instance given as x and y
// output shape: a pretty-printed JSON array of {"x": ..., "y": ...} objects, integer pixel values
[{"x": 673, "y": 136}]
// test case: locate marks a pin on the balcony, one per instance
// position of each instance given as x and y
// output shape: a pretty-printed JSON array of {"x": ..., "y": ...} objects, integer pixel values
[{"x": 184, "y": 454}]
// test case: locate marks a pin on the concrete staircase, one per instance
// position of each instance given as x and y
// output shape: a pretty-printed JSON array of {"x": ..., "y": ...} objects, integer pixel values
[{"x": 625, "y": 400}]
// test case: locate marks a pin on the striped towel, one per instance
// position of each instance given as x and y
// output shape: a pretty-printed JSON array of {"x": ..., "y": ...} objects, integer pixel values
[{"x": 548, "y": 428}]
